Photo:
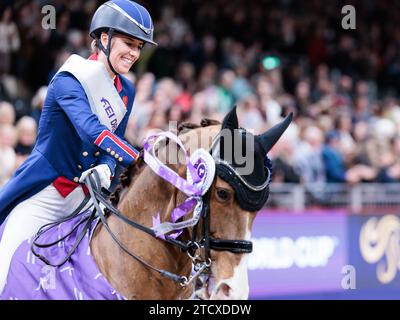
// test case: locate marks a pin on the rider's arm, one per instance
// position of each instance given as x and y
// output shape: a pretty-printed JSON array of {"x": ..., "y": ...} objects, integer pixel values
[{"x": 72, "y": 99}]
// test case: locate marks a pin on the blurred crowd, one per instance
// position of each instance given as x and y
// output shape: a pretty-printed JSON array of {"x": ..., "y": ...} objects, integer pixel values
[{"x": 267, "y": 57}]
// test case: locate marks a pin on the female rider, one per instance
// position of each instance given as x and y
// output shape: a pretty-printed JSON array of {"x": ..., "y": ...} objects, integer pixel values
[{"x": 81, "y": 128}]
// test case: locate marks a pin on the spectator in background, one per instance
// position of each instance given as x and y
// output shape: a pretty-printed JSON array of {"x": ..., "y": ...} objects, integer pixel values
[
  {"x": 343, "y": 126},
  {"x": 389, "y": 170},
  {"x": 166, "y": 92},
  {"x": 175, "y": 114},
  {"x": 272, "y": 108},
  {"x": 391, "y": 110},
  {"x": 341, "y": 58},
  {"x": 241, "y": 87},
  {"x": 9, "y": 39},
  {"x": 390, "y": 163},
  {"x": 334, "y": 163},
  {"x": 76, "y": 43},
  {"x": 249, "y": 114},
  {"x": 303, "y": 98},
  {"x": 361, "y": 110},
  {"x": 199, "y": 107},
  {"x": 8, "y": 137},
  {"x": 317, "y": 47},
  {"x": 26, "y": 138},
  {"x": 142, "y": 109},
  {"x": 282, "y": 159},
  {"x": 308, "y": 157},
  {"x": 344, "y": 92},
  {"x": 361, "y": 134},
  {"x": 7, "y": 113},
  {"x": 208, "y": 52},
  {"x": 186, "y": 77},
  {"x": 225, "y": 96},
  {"x": 336, "y": 170},
  {"x": 207, "y": 76},
  {"x": 157, "y": 122}
]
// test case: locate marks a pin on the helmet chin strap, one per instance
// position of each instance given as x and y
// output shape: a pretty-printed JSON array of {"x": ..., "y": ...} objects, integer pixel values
[{"x": 107, "y": 51}]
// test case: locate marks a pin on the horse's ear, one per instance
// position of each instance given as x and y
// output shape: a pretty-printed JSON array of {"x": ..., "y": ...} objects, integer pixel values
[
  {"x": 231, "y": 121},
  {"x": 271, "y": 136}
]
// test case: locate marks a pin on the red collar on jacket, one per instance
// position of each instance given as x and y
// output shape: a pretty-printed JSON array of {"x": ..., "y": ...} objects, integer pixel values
[{"x": 117, "y": 80}]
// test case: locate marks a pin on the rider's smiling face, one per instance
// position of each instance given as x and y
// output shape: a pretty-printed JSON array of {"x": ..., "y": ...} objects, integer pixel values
[{"x": 125, "y": 51}]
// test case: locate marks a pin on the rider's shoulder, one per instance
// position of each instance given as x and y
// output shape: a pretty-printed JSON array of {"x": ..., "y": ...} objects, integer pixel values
[{"x": 65, "y": 81}]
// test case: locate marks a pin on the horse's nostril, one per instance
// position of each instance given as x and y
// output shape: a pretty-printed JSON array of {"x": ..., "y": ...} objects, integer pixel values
[{"x": 224, "y": 290}]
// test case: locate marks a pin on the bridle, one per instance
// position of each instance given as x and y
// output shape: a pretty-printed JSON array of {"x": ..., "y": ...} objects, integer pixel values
[{"x": 205, "y": 241}]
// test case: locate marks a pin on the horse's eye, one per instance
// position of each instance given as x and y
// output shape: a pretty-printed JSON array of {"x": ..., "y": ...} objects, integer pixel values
[{"x": 223, "y": 195}]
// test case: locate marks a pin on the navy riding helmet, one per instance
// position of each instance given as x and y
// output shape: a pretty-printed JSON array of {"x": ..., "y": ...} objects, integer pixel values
[{"x": 121, "y": 16}]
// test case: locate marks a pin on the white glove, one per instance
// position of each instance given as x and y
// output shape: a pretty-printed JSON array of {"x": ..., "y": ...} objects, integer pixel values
[{"x": 104, "y": 175}]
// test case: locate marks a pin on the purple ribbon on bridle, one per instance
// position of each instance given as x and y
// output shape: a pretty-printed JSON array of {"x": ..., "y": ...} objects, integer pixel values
[{"x": 192, "y": 189}]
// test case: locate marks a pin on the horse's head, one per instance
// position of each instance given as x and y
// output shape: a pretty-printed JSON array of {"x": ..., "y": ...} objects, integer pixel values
[
  {"x": 240, "y": 189},
  {"x": 216, "y": 237}
]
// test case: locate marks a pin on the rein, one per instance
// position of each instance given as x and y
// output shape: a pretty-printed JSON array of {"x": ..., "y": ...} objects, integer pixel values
[{"x": 190, "y": 247}]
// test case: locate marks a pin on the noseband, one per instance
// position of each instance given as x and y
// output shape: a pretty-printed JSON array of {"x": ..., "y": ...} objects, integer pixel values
[{"x": 209, "y": 243}]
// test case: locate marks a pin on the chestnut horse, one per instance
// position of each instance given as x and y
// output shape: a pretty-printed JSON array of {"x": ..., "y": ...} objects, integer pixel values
[
  {"x": 139, "y": 265},
  {"x": 148, "y": 194}
]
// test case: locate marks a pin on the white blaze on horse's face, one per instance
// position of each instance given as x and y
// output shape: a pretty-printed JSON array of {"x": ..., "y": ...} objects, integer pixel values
[
  {"x": 236, "y": 287},
  {"x": 229, "y": 274}
]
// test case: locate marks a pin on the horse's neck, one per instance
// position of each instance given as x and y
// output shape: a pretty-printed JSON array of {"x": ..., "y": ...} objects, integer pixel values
[
  {"x": 147, "y": 196},
  {"x": 144, "y": 199}
]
